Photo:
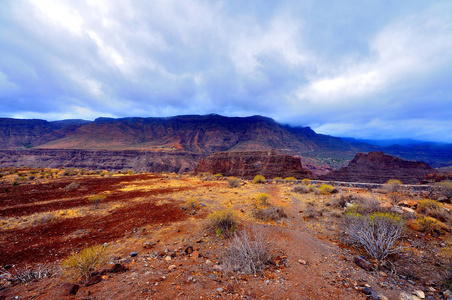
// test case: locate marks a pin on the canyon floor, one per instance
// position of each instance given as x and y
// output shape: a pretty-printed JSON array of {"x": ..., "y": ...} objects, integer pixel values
[{"x": 45, "y": 216}]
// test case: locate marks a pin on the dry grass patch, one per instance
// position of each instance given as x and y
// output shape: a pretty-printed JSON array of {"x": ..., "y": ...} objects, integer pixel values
[{"x": 82, "y": 264}]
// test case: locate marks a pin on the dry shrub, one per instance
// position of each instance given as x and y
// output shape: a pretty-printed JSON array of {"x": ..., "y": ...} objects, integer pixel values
[
  {"x": 192, "y": 205},
  {"x": 247, "y": 252},
  {"x": 278, "y": 179},
  {"x": 272, "y": 213},
  {"x": 43, "y": 218},
  {"x": 261, "y": 200},
  {"x": 377, "y": 233},
  {"x": 432, "y": 225},
  {"x": 218, "y": 176},
  {"x": 326, "y": 189},
  {"x": 223, "y": 222},
  {"x": 82, "y": 264},
  {"x": 96, "y": 199},
  {"x": 26, "y": 274},
  {"x": 303, "y": 189},
  {"x": 433, "y": 208},
  {"x": 392, "y": 188},
  {"x": 339, "y": 201},
  {"x": 311, "y": 211},
  {"x": 446, "y": 188},
  {"x": 259, "y": 179},
  {"x": 72, "y": 186},
  {"x": 233, "y": 182}
]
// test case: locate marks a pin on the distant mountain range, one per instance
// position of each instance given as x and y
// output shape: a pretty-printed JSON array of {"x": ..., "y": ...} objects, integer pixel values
[{"x": 202, "y": 135}]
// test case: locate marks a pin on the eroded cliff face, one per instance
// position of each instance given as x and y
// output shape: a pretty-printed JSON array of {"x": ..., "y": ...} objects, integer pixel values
[
  {"x": 247, "y": 164},
  {"x": 101, "y": 159},
  {"x": 377, "y": 167}
]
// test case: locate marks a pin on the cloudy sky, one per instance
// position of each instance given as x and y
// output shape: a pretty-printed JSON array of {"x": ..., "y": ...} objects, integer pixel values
[{"x": 367, "y": 69}]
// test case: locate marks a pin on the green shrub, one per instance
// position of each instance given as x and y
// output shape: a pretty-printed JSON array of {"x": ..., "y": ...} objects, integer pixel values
[
  {"x": 82, "y": 264},
  {"x": 259, "y": 179},
  {"x": 218, "y": 176},
  {"x": 233, "y": 182},
  {"x": 223, "y": 222},
  {"x": 326, "y": 189},
  {"x": 277, "y": 179}
]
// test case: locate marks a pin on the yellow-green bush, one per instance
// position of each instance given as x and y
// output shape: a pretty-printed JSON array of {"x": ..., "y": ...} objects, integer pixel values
[
  {"x": 261, "y": 200},
  {"x": 306, "y": 181},
  {"x": 290, "y": 179},
  {"x": 326, "y": 189},
  {"x": 96, "y": 199},
  {"x": 82, "y": 264},
  {"x": 218, "y": 176},
  {"x": 259, "y": 179},
  {"x": 223, "y": 222},
  {"x": 192, "y": 204},
  {"x": 431, "y": 225}
]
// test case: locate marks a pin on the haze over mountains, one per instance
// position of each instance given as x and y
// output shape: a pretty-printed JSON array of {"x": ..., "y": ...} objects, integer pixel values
[{"x": 201, "y": 135}]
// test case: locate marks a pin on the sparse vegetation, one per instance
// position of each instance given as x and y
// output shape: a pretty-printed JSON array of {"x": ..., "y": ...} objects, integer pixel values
[
  {"x": 271, "y": 213},
  {"x": 259, "y": 179},
  {"x": 72, "y": 186},
  {"x": 303, "y": 189},
  {"x": 192, "y": 205},
  {"x": 233, "y": 182},
  {"x": 223, "y": 222},
  {"x": 393, "y": 187},
  {"x": 306, "y": 181},
  {"x": 377, "y": 233},
  {"x": 218, "y": 176},
  {"x": 446, "y": 189},
  {"x": 247, "y": 252},
  {"x": 82, "y": 264},
  {"x": 96, "y": 199}
]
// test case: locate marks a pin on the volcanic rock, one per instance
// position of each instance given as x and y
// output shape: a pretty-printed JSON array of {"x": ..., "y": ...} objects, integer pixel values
[
  {"x": 247, "y": 164},
  {"x": 377, "y": 167}
]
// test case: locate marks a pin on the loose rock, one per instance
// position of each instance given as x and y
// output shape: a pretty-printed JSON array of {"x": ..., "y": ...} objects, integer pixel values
[
  {"x": 68, "y": 289},
  {"x": 363, "y": 263},
  {"x": 93, "y": 280},
  {"x": 133, "y": 254}
]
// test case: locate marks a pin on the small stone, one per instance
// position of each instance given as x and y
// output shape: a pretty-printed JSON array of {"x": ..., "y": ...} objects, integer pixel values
[
  {"x": 443, "y": 199},
  {"x": 419, "y": 293},
  {"x": 68, "y": 289},
  {"x": 302, "y": 262},
  {"x": 133, "y": 254},
  {"x": 406, "y": 296},
  {"x": 118, "y": 268},
  {"x": 208, "y": 262},
  {"x": 431, "y": 289},
  {"x": 148, "y": 245},
  {"x": 219, "y": 290},
  {"x": 383, "y": 274},
  {"x": 447, "y": 294},
  {"x": 363, "y": 263},
  {"x": 365, "y": 290},
  {"x": 189, "y": 250},
  {"x": 217, "y": 268},
  {"x": 93, "y": 280},
  {"x": 374, "y": 295},
  {"x": 171, "y": 267},
  {"x": 195, "y": 254},
  {"x": 168, "y": 258}
]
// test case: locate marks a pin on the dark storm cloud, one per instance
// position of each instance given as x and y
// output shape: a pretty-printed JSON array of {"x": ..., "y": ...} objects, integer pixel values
[{"x": 367, "y": 69}]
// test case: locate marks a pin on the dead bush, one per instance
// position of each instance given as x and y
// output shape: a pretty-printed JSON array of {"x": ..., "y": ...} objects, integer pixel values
[
  {"x": 303, "y": 189},
  {"x": 223, "y": 222},
  {"x": 272, "y": 213},
  {"x": 43, "y": 218},
  {"x": 311, "y": 211},
  {"x": 340, "y": 201},
  {"x": 377, "y": 233},
  {"x": 26, "y": 273},
  {"x": 433, "y": 208},
  {"x": 233, "y": 182},
  {"x": 247, "y": 252},
  {"x": 446, "y": 189},
  {"x": 393, "y": 189},
  {"x": 366, "y": 205},
  {"x": 72, "y": 186}
]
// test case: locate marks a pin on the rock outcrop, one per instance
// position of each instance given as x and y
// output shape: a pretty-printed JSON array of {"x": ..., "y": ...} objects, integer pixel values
[
  {"x": 377, "y": 167},
  {"x": 101, "y": 159},
  {"x": 247, "y": 164}
]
